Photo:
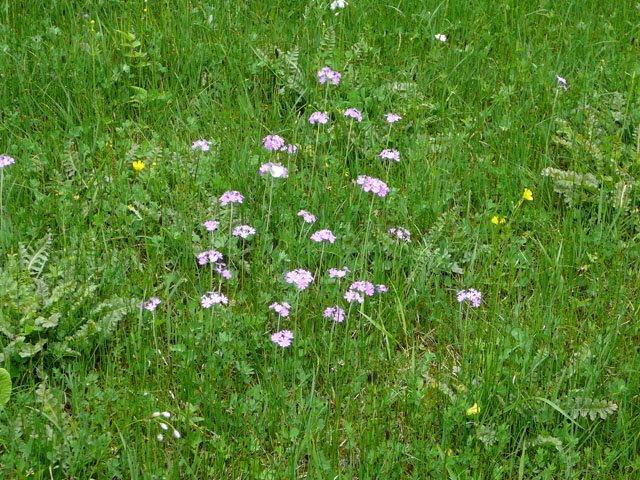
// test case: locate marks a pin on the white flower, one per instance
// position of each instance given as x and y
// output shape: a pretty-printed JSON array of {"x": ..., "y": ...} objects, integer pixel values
[
  {"x": 441, "y": 37},
  {"x": 338, "y": 4},
  {"x": 164, "y": 426},
  {"x": 277, "y": 171},
  {"x": 160, "y": 437},
  {"x": 176, "y": 433}
]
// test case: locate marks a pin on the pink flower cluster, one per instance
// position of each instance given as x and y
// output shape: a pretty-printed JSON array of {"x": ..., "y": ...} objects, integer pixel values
[
  {"x": 323, "y": 235},
  {"x": 232, "y": 196},
  {"x": 338, "y": 273},
  {"x": 318, "y": 117},
  {"x": 244, "y": 231},
  {"x": 357, "y": 289},
  {"x": 211, "y": 225},
  {"x": 6, "y": 160},
  {"x": 374, "y": 185},
  {"x": 281, "y": 309},
  {"x": 392, "y": 117},
  {"x": 390, "y": 154},
  {"x": 473, "y": 295},
  {"x": 400, "y": 233},
  {"x": 277, "y": 143},
  {"x": 353, "y": 113},
  {"x": 301, "y": 278},
  {"x": 203, "y": 145},
  {"x": 282, "y": 338},
  {"x": 306, "y": 216},
  {"x": 151, "y": 304},
  {"x": 214, "y": 257},
  {"x": 335, "y": 313},
  {"x": 276, "y": 170},
  {"x": 326, "y": 73},
  {"x": 213, "y": 298}
]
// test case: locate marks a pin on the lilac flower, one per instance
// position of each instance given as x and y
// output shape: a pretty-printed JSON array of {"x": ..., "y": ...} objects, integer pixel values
[
  {"x": 562, "y": 82},
  {"x": 276, "y": 170},
  {"x": 282, "y": 338},
  {"x": 210, "y": 256},
  {"x": 400, "y": 233},
  {"x": 211, "y": 225},
  {"x": 243, "y": 231},
  {"x": 363, "y": 286},
  {"x": 335, "y": 313},
  {"x": 151, "y": 304},
  {"x": 322, "y": 235},
  {"x": 290, "y": 149},
  {"x": 473, "y": 295},
  {"x": 352, "y": 296},
  {"x": 6, "y": 160},
  {"x": 232, "y": 196},
  {"x": 203, "y": 145},
  {"x": 273, "y": 142},
  {"x": 382, "y": 288},
  {"x": 307, "y": 217},
  {"x": 281, "y": 309},
  {"x": 353, "y": 113},
  {"x": 373, "y": 185},
  {"x": 326, "y": 73},
  {"x": 389, "y": 154},
  {"x": 301, "y": 278},
  {"x": 338, "y": 273},
  {"x": 213, "y": 298},
  {"x": 392, "y": 117},
  {"x": 318, "y": 117}
]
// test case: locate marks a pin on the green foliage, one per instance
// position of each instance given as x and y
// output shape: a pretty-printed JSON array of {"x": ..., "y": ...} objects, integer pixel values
[{"x": 5, "y": 387}]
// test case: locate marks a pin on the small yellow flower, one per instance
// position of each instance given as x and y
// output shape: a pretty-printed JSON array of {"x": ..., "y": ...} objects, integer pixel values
[
  {"x": 138, "y": 165},
  {"x": 474, "y": 410},
  {"x": 462, "y": 387},
  {"x": 498, "y": 220},
  {"x": 527, "y": 194}
]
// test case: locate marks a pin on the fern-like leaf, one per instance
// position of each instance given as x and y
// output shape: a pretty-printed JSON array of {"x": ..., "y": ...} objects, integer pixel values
[
  {"x": 591, "y": 408},
  {"x": 35, "y": 258}
]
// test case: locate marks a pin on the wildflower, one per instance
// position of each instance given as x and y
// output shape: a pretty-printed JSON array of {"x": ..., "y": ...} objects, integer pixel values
[
  {"x": 353, "y": 113},
  {"x": 231, "y": 196},
  {"x": 527, "y": 194},
  {"x": 352, "y": 296},
  {"x": 364, "y": 287},
  {"x": 335, "y": 313},
  {"x": 400, "y": 233},
  {"x": 301, "y": 278},
  {"x": 243, "y": 231},
  {"x": 281, "y": 309},
  {"x": 392, "y": 117},
  {"x": 473, "y": 295},
  {"x": 318, "y": 117},
  {"x": 474, "y": 410},
  {"x": 337, "y": 4},
  {"x": 282, "y": 338},
  {"x": 203, "y": 145},
  {"x": 382, "y": 288},
  {"x": 290, "y": 149},
  {"x": 306, "y": 216},
  {"x": 151, "y": 304},
  {"x": 163, "y": 414},
  {"x": 211, "y": 225},
  {"x": 498, "y": 220},
  {"x": 562, "y": 82},
  {"x": 213, "y": 298},
  {"x": 138, "y": 165},
  {"x": 210, "y": 256},
  {"x": 6, "y": 160},
  {"x": 326, "y": 73},
  {"x": 338, "y": 273},
  {"x": 160, "y": 437},
  {"x": 273, "y": 142},
  {"x": 390, "y": 154},
  {"x": 176, "y": 433},
  {"x": 164, "y": 426},
  {"x": 276, "y": 170},
  {"x": 322, "y": 235},
  {"x": 373, "y": 185},
  {"x": 441, "y": 37}
]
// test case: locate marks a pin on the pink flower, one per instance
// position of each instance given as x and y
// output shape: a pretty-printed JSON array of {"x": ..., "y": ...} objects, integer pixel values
[
  {"x": 373, "y": 185},
  {"x": 335, "y": 313},
  {"x": 231, "y": 196},
  {"x": 281, "y": 309},
  {"x": 352, "y": 296},
  {"x": 326, "y": 73},
  {"x": 273, "y": 142},
  {"x": 276, "y": 170},
  {"x": 392, "y": 117},
  {"x": 6, "y": 160},
  {"x": 282, "y": 338},
  {"x": 353, "y": 113},
  {"x": 364, "y": 287},
  {"x": 210, "y": 256},
  {"x": 338, "y": 273},
  {"x": 290, "y": 149},
  {"x": 211, "y": 225},
  {"x": 323, "y": 235},
  {"x": 400, "y": 233},
  {"x": 243, "y": 231},
  {"x": 473, "y": 295},
  {"x": 562, "y": 82},
  {"x": 306, "y": 216},
  {"x": 203, "y": 145},
  {"x": 301, "y": 278},
  {"x": 151, "y": 304},
  {"x": 381, "y": 288},
  {"x": 389, "y": 154},
  {"x": 318, "y": 117},
  {"x": 213, "y": 298}
]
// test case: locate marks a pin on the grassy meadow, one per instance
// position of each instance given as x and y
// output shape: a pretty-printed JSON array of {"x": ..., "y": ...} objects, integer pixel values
[{"x": 209, "y": 271}]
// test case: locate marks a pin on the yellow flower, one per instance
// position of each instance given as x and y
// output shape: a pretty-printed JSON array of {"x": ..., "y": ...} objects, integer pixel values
[
  {"x": 498, "y": 220},
  {"x": 527, "y": 194},
  {"x": 138, "y": 165},
  {"x": 474, "y": 410}
]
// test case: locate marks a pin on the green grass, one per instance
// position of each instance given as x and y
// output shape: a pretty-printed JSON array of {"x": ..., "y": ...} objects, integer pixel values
[{"x": 550, "y": 357}]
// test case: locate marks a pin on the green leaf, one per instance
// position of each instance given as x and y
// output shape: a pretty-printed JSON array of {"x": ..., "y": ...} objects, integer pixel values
[{"x": 5, "y": 387}]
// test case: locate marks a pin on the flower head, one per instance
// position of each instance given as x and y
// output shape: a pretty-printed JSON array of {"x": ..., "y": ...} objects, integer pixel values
[
  {"x": 400, "y": 233},
  {"x": 281, "y": 309},
  {"x": 337, "y": 4},
  {"x": 6, "y": 160},
  {"x": 527, "y": 194},
  {"x": 374, "y": 185},
  {"x": 363, "y": 286},
  {"x": 474, "y": 410},
  {"x": 382, "y": 288},
  {"x": 335, "y": 313},
  {"x": 352, "y": 296},
  {"x": 498, "y": 220},
  {"x": 282, "y": 338},
  {"x": 562, "y": 82},
  {"x": 243, "y": 231},
  {"x": 273, "y": 142},
  {"x": 441, "y": 37},
  {"x": 276, "y": 170},
  {"x": 338, "y": 272},
  {"x": 210, "y": 256},
  {"x": 301, "y": 278},
  {"x": 326, "y": 73},
  {"x": 306, "y": 216},
  {"x": 323, "y": 235},
  {"x": 203, "y": 145},
  {"x": 232, "y": 196},
  {"x": 353, "y": 113},
  {"x": 213, "y": 298},
  {"x": 318, "y": 117},
  {"x": 392, "y": 117},
  {"x": 151, "y": 304},
  {"x": 390, "y": 154},
  {"x": 473, "y": 295},
  {"x": 138, "y": 165},
  {"x": 211, "y": 225}
]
